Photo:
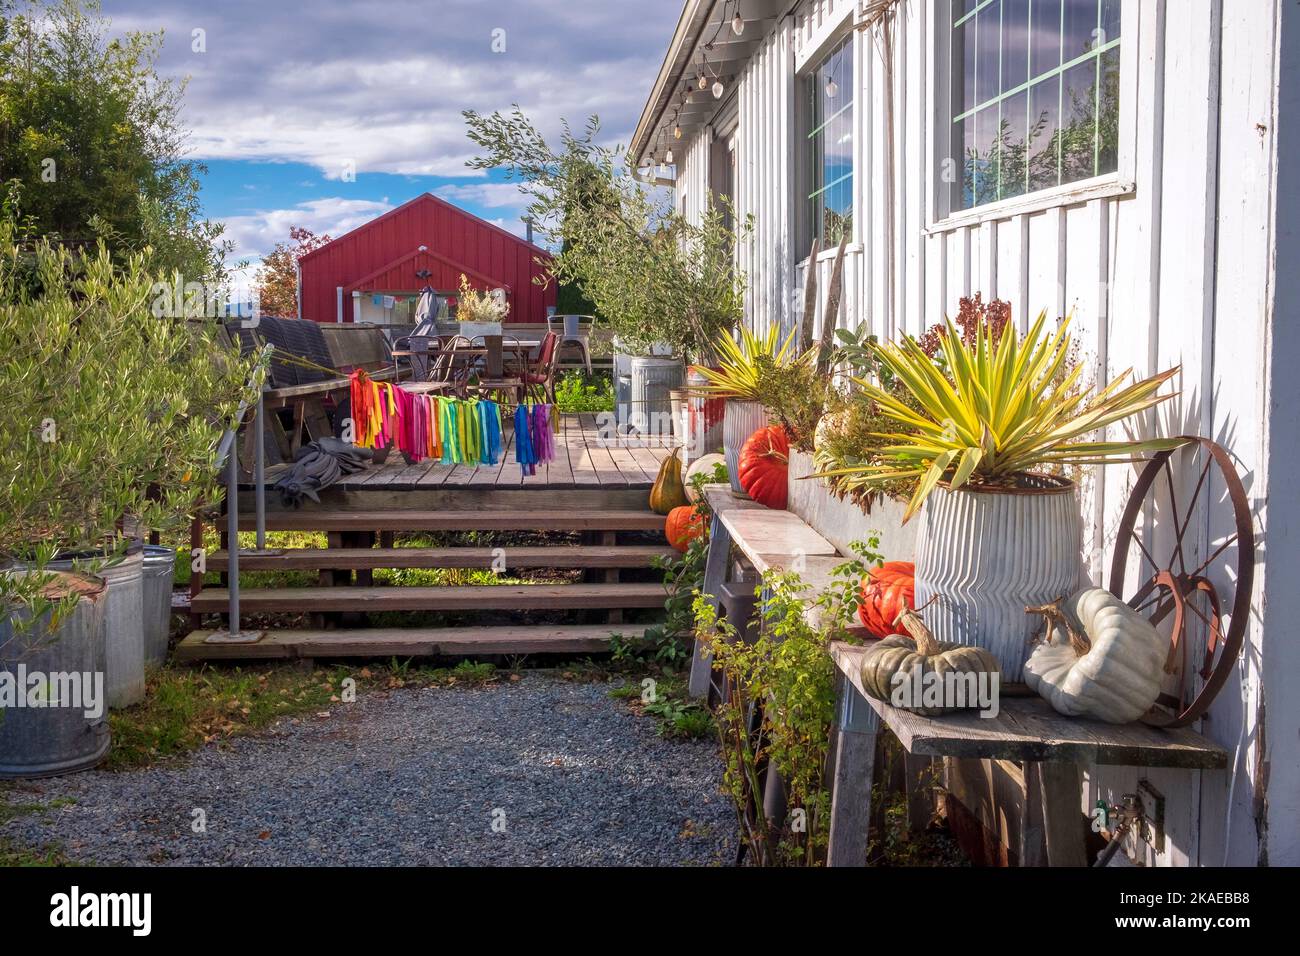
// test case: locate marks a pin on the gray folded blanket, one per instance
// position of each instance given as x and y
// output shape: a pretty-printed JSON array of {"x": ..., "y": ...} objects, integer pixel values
[{"x": 319, "y": 465}]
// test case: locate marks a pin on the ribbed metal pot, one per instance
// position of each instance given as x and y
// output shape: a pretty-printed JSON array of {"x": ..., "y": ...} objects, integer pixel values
[
  {"x": 46, "y": 741},
  {"x": 158, "y": 572},
  {"x": 984, "y": 555},
  {"x": 739, "y": 421}
]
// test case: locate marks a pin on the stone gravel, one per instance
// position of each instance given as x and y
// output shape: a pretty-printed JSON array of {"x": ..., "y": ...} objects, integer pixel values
[{"x": 541, "y": 771}]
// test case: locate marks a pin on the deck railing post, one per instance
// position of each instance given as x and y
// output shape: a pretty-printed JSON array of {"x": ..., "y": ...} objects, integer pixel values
[
  {"x": 232, "y": 535},
  {"x": 259, "y": 473}
]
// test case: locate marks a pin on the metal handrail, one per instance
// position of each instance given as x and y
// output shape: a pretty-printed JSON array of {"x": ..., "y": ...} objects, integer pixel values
[{"x": 228, "y": 455}]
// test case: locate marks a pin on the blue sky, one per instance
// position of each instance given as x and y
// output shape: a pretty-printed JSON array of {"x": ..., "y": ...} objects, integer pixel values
[{"x": 283, "y": 99}]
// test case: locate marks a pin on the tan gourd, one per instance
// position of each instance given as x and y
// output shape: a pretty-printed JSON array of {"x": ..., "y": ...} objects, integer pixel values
[
  {"x": 913, "y": 657},
  {"x": 668, "y": 492}
]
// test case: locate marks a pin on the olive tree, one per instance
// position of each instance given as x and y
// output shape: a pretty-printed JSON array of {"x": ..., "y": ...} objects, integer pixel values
[{"x": 114, "y": 405}]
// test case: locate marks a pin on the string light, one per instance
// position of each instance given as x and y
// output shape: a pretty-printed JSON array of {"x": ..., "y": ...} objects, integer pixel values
[
  {"x": 668, "y": 157},
  {"x": 831, "y": 88},
  {"x": 737, "y": 22},
  {"x": 718, "y": 89}
]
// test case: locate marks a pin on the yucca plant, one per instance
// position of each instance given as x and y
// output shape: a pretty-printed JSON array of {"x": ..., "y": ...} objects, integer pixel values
[
  {"x": 740, "y": 364},
  {"x": 1001, "y": 406}
]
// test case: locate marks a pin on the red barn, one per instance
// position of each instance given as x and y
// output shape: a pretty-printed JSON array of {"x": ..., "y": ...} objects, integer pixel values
[{"x": 370, "y": 274}]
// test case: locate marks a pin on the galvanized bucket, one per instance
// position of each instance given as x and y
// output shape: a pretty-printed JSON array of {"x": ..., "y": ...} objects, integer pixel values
[
  {"x": 740, "y": 421},
  {"x": 123, "y": 625},
  {"x": 61, "y": 723},
  {"x": 653, "y": 378},
  {"x": 158, "y": 571},
  {"x": 983, "y": 556}
]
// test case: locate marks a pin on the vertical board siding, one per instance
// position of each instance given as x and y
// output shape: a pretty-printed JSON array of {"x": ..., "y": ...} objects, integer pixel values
[
  {"x": 1175, "y": 272},
  {"x": 378, "y": 249}
]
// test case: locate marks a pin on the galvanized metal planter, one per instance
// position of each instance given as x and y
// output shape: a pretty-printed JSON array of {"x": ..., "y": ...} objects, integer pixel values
[
  {"x": 739, "y": 421},
  {"x": 159, "y": 570},
  {"x": 58, "y": 736},
  {"x": 984, "y": 555}
]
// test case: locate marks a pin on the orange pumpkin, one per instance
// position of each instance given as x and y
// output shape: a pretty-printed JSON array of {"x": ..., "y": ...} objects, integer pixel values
[
  {"x": 764, "y": 466},
  {"x": 884, "y": 594},
  {"x": 684, "y": 525}
]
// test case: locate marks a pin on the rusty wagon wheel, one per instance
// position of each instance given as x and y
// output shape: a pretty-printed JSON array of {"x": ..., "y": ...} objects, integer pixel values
[{"x": 1167, "y": 533}]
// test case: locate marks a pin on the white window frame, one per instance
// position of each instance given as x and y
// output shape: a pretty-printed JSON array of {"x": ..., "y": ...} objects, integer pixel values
[
  {"x": 1118, "y": 183},
  {"x": 808, "y": 58}
]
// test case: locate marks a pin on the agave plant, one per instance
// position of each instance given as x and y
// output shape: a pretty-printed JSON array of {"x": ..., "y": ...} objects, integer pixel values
[
  {"x": 740, "y": 364},
  {"x": 1004, "y": 408}
]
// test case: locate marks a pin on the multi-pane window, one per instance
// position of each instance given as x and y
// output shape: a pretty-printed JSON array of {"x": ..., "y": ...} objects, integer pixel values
[
  {"x": 830, "y": 144},
  {"x": 1035, "y": 95}
]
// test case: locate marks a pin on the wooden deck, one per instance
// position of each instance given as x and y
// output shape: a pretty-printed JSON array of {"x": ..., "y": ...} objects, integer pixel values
[
  {"x": 590, "y": 504},
  {"x": 585, "y": 458}
]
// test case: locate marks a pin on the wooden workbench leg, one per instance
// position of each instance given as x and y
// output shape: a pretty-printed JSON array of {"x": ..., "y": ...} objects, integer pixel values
[
  {"x": 715, "y": 575},
  {"x": 855, "y": 766},
  {"x": 1061, "y": 785},
  {"x": 918, "y": 783}
]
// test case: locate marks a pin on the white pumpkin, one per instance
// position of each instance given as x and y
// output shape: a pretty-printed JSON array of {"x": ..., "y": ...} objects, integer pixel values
[
  {"x": 701, "y": 466},
  {"x": 1111, "y": 671}
]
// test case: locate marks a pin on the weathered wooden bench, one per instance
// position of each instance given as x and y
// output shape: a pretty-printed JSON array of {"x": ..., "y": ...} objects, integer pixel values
[{"x": 1049, "y": 748}]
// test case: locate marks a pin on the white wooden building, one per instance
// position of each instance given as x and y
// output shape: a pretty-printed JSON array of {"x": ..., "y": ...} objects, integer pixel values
[{"x": 1163, "y": 216}]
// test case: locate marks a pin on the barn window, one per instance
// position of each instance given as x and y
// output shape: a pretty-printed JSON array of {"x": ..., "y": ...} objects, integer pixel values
[
  {"x": 830, "y": 92},
  {"x": 1034, "y": 99}
]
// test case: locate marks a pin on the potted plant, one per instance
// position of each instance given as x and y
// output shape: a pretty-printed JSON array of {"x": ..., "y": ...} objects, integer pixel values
[
  {"x": 983, "y": 429},
  {"x": 738, "y": 378},
  {"x": 480, "y": 312},
  {"x": 114, "y": 406}
]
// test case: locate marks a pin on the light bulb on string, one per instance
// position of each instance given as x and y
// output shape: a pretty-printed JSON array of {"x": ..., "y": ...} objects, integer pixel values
[
  {"x": 737, "y": 22},
  {"x": 703, "y": 82},
  {"x": 718, "y": 89},
  {"x": 832, "y": 88},
  {"x": 668, "y": 157},
  {"x": 677, "y": 132}
]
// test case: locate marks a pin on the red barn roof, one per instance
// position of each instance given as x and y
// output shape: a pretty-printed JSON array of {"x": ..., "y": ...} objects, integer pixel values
[{"x": 385, "y": 254}]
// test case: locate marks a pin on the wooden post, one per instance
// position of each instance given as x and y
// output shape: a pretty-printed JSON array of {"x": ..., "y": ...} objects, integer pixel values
[
  {"x": 918, "y": 781},
  {"x": 1061, "y": 785},
  {"x": 715, "y": 575},
  {"x": 855, "y": 759},
  {"x": 1033, "y": 845}
]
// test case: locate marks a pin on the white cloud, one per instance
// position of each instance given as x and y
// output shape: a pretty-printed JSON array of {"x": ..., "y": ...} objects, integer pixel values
[
  {"x": 257, "y": 233},
  {"x": 382, "y": 83},
  {"x": 487, "y": 195}
]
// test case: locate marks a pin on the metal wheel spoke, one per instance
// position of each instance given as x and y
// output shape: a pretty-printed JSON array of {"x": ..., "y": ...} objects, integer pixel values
[
  {"x": 1178, "y": 534},
  {"x": 1217, "y": 551}
]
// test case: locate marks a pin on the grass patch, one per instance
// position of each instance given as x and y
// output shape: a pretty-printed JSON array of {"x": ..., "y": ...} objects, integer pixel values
[
  {"x": 188, "y": 707},
  {"x": 677, "y": 716},
  {"x": 11, "y": 854}
]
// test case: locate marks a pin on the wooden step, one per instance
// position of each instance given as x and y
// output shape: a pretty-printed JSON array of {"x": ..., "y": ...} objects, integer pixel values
[
  {"x": 411, "y": 642},
  {"x": 364, "y": 559},
  {"x": 488, "y": 597},
  {"x": 396, "y": 520}
]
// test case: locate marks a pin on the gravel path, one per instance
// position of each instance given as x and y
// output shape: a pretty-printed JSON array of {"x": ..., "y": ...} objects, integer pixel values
[{"x": 539, "y": 771}]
